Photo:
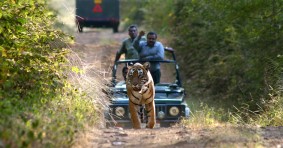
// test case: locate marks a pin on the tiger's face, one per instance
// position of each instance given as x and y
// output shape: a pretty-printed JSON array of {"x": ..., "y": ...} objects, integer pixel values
[{"x": 137, "y": 76}]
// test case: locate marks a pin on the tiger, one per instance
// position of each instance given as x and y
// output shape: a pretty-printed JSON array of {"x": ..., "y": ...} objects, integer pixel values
[{"x": 141, "y": 92}]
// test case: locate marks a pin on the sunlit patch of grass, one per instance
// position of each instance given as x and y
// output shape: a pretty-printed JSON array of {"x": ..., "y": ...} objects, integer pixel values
[
  {"x": 204, "y": 117},
  {"x": 207, "y": 128},
  {"x": 268, "y": 114},
  {"x": 91, "y": 82},
  {"x": 273, "y": 112}
]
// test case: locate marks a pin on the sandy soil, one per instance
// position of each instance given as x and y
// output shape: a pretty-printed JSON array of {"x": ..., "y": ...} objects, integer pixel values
[{"x": 99, "y": 46}]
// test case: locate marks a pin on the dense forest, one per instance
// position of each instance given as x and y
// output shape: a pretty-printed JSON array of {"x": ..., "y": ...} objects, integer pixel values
[{"x": 230, "y": 55}]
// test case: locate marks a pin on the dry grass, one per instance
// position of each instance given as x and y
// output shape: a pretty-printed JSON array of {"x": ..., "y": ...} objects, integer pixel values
[{"x": 88, "y": 77}]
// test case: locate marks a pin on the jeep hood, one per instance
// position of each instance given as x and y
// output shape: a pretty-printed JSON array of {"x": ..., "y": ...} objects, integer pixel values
[{"x": 166, "y": 93}]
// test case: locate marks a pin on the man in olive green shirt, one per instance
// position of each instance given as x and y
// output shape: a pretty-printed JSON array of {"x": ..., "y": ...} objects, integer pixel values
[{"x": 127, "y": 47}]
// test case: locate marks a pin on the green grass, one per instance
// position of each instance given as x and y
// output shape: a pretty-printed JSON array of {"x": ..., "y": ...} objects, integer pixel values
[{"x": 207, "y": 112}]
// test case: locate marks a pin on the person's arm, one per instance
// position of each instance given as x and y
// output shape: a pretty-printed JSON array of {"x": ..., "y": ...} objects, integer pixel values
[
  {"x": 118, "y": 55},
  {"x": 160, "y": 53},
  {"x": 121, "y": 51},
  {"x": 137, "y": 40}
]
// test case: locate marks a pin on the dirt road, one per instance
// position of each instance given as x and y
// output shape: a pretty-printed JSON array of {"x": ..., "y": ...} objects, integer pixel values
[{"x": 99, "y": 47}]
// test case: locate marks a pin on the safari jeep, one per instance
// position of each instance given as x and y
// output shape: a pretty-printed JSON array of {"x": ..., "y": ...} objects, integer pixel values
[{"x": 169, "y": 99}]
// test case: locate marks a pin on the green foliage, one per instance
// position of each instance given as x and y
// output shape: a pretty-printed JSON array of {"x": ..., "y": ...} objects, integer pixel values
[
  {"x": 132, "y": 12},
  {"x": 159, "y": 16},
  {"x": 25, "y": 42},
  {"x": 39, "y": 107},
  {"x": 154, "y": 15},
  {"x": 203, "y": 115},
  {"x": 230, "y": 48},
  {"x": 271, "y": 112}
]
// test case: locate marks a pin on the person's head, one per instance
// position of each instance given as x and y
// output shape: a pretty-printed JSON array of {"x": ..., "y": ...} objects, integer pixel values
[
  {"x": 151, "y": 38},
  {"x": 133, "y": 31}
]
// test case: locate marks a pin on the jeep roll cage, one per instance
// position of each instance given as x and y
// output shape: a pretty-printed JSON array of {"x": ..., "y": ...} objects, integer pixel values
[{"x": 167, "y": 49}]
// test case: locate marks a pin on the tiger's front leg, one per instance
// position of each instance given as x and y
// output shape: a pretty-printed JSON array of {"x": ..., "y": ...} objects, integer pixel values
[
  {"x": 134, "y": 115},
  {"x": 150, "y": 110}
]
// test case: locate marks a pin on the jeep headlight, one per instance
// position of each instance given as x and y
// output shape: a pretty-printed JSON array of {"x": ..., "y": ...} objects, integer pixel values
[
  {"x": 119, "y": 111},
  {"x": 174, "y": 111},
  {"x": 160, "y": 114}
]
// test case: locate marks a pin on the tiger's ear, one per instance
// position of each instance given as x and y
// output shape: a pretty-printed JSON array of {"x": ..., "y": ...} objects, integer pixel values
[
  {"x": 146, "y": 65},
  {"x": 129, "y": 65}
]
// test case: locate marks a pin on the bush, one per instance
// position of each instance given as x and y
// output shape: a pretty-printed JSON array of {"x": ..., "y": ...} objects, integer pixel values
[{"x": 40, "y": 106}]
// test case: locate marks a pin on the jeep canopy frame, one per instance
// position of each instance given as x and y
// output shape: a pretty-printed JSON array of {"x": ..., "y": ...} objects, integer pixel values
[{"x": 167, "y": 49}]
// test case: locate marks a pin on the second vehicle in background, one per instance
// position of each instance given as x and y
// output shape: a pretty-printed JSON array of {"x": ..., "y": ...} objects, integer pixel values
[{"x": 98, "y": 13}]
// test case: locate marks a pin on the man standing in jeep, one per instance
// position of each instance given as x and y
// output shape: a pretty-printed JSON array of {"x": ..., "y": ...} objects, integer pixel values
[
  {"x": 150, "y": 50},
  {"x": 127, "y": 47}
]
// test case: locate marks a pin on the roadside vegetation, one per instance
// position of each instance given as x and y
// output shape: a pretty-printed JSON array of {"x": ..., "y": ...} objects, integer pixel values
[
  {"x": 46, "y": 96},
  {"x": 230, "y": 54}
]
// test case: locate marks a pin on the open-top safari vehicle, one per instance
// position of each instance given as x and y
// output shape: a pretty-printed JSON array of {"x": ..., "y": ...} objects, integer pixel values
[{"x": 170, "y": 103}]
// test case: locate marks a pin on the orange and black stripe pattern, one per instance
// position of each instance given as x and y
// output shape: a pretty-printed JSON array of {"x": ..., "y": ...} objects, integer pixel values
[{"x": 141, "y": 91}]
